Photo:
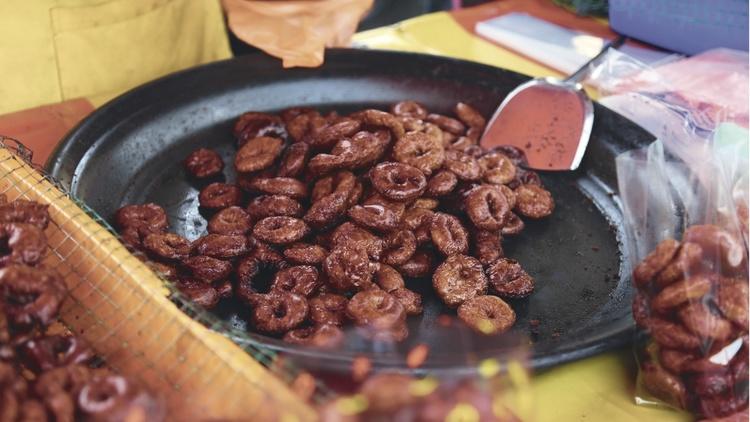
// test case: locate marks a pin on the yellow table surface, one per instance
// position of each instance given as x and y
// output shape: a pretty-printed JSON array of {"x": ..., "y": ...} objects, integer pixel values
[{"x": 594, "y": 389}]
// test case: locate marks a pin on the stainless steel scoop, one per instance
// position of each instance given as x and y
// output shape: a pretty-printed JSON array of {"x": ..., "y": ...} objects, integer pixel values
[{"x": 565, "y": 157}]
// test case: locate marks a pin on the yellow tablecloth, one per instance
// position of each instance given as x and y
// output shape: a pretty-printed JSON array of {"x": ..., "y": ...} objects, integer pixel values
[{"x": 595, "y": 389}]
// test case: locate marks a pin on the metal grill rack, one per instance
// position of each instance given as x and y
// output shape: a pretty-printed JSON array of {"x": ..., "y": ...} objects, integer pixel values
[{"x": 140, "y": 325}]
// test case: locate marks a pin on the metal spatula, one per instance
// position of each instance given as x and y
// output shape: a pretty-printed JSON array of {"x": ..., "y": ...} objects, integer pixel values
[{"x": 550, "y": 119}]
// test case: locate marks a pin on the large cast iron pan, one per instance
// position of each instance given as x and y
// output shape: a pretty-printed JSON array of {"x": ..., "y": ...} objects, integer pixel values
[{"x": 129, "y": 151}]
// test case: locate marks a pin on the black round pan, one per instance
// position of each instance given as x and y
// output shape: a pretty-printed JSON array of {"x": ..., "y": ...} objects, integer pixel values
[{"x": 129, "y": 151}]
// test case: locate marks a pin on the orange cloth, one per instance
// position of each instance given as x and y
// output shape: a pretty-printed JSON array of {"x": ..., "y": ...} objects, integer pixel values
[{"x": 296, "y": 31}]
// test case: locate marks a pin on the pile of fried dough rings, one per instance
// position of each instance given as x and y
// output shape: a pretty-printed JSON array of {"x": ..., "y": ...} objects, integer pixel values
[
  {"x": 45, "y": 372},
  {"x": 331, "y": 217}
]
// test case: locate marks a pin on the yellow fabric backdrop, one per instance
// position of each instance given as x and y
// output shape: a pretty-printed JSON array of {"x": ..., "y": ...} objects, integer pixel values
[{"x": 56, "y": 50}]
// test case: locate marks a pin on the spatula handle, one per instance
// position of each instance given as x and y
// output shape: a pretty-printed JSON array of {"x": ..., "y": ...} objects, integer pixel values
[{"x": 583, "y": 71}]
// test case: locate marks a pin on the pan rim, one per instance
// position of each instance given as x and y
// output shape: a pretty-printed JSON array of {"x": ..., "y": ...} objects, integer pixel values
[{"x": 74, "y": 146}]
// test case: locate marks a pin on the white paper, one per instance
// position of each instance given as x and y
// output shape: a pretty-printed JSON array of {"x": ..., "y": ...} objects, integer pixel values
[{"x": 559, "y": 48}]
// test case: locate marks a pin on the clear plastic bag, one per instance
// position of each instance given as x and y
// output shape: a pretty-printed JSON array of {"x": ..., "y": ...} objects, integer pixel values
[
  {"x": 730, "y": 148},
  {"x": 451, "y": 385},
  {"x": 451, "y": 376},
  {"x": 681, "y": 101},
  {"x": 685, "y": 201},
  {"x": 296, "y": 31},
  {"x": 689, "y": 260}
]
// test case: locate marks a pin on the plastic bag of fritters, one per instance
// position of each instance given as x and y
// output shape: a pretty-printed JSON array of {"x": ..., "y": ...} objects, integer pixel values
[
  {"x": 687, "y": 234},
  {"x": 296, "y": 31}
]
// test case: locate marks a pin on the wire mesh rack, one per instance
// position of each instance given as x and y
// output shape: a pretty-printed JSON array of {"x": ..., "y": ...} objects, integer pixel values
[{"x": 141, "y": 325}]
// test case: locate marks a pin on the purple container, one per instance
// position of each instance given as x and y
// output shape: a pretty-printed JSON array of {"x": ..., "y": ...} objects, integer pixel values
[{"x": 684, "y": 26}]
